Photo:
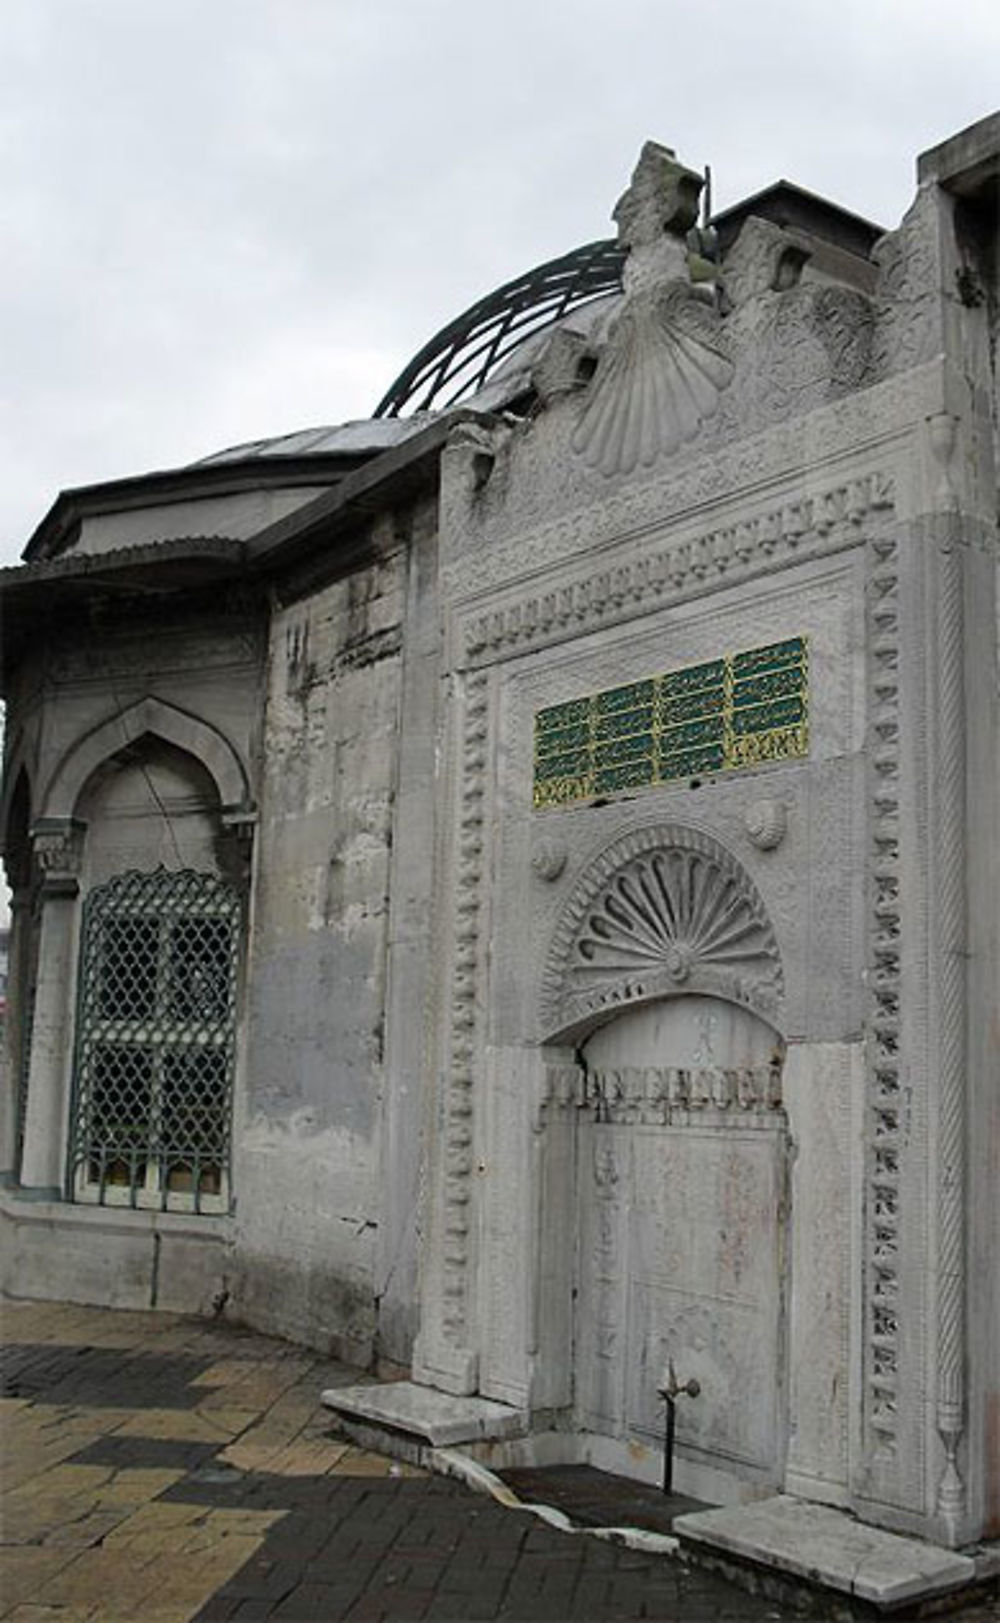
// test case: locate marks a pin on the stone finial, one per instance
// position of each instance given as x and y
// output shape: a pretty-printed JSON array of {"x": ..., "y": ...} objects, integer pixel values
[
  {"x": 662, "y": 197},
  {"x": 663, "y": 364}
]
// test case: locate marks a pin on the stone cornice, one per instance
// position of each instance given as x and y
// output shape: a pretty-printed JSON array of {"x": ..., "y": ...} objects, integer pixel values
[
  {"x": 855, "y": 434},
  {"x": 808, "y": 527}
]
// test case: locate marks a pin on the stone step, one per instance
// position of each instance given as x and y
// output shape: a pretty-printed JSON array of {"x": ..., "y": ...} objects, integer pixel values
[
  {"x": 827, "y": 1547},
  {"x": 406, "y": 1413}
]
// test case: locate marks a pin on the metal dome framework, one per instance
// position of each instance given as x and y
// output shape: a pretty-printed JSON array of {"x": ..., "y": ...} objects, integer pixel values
[{"x": 459, "y": 359}]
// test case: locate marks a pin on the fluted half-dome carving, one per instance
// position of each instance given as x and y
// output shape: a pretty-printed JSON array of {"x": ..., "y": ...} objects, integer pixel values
[
  {"x": 659, "y": 379},
  {"x": 663, "y": 910},
  {"x": 662, "y": 366}
]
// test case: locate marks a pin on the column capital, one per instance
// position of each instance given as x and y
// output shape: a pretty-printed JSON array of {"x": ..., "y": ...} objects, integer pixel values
[{"x": 57, "y": 846}]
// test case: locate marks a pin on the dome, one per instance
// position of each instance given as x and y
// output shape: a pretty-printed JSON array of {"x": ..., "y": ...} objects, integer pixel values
[{"x": 465, "y": 354}]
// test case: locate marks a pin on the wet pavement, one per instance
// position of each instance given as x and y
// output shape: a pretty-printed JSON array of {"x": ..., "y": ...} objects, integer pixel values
[{"x": 165, "y": 1469}]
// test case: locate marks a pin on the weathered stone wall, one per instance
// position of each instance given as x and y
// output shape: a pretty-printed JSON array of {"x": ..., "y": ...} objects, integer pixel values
[
  {"x": 824, "y": 474},
  {"x": 307, "y": 1162}
]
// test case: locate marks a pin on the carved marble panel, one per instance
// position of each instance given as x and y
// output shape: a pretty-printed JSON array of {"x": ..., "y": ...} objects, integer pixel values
[{"x": 692, "y": 1222}]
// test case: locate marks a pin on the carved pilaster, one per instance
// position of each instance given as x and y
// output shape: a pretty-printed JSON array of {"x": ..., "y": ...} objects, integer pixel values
[
  {"x": 459, "y": 1096},
  {"x": 883, "y": 1237},
  {"x": 58, "y": 849},
  {"x": 560, "y": 1096},
  {"x": 950, "y": 886}
]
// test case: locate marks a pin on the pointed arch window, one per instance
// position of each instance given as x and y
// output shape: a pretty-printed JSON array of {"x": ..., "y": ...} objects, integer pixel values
[{"x": 155, "y": 1046}]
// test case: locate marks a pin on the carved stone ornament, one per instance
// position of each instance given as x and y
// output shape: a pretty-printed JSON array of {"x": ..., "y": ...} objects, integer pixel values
[
  {"x": 766, "y": 823},
  {"x": 548, "y": 858},
  {"x": 662, "y": 368},
  {"x": 760, "y": 261},
  {"x": 663, "y": 910},
  {"x": 58, "y": 849},
  {"x": 556, "y": 371}
]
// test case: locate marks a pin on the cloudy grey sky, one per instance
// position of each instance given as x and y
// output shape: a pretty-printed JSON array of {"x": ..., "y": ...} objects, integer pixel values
[{"x": 230, "y": 218}]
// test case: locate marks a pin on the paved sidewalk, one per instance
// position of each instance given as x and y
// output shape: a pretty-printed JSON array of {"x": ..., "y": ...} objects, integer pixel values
[{"x": 164, "y": 1469}]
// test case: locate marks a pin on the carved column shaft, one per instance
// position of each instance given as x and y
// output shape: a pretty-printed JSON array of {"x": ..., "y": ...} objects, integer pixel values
[
  {"x": 43, "y": 1160},
  {"x": 953, "y": 947},
  {"x": 11, "y": 1055}
]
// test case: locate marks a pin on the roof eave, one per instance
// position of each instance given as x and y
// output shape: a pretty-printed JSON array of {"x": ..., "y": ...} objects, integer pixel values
[{"x": 54, "y": 533}]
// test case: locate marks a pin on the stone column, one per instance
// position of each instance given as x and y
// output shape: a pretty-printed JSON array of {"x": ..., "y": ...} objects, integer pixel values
[
  {"x": 43, "y": 1160},
  {"x": 11, "y": 1049}
]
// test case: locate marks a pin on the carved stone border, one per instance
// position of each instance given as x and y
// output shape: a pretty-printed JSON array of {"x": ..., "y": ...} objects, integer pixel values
[
  {"x": 805, "y": 528},
  {"x": 459, "y": 1089},
  {"x": 885, "y": 1087}
]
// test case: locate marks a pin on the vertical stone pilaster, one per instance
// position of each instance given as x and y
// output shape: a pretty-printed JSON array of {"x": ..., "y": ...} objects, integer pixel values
[
  {"x": 884, "y": 1238},
  {"x": 952, "y": 947},
  {"x": 444, "y": 1354},
  {"x": 12, "y": 1055},
  {"x": 43, "y": 1158}
]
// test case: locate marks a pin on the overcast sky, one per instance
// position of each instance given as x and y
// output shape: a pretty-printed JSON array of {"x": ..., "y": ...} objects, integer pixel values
[{"x": 231, "y": 218}]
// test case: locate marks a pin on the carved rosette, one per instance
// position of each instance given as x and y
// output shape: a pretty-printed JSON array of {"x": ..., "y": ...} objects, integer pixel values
[{"x": 663, "y": 910}]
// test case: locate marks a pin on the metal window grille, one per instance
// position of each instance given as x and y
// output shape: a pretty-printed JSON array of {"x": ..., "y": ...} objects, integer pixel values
[{"x": 155, "y": 1042}]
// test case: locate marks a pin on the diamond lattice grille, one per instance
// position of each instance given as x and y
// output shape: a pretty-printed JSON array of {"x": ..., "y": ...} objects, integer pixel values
[{"x": 155, "y": 1038}]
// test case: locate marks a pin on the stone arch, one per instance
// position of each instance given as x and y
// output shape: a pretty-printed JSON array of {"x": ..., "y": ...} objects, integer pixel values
[
  {"x": 662, "y": 911},
  {"x": 149, "y": 716},
  {"x": 16, "y": 783}
]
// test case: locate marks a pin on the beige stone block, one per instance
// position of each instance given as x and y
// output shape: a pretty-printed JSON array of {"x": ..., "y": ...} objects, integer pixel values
[
  {"x": 85, "y": 1531},
  {"x": 303, "y": 1458},
  {"x": 229, "y": 1422},
  {"x": 32, "y": 1612},
  {"x": 134, "y": 1487},
  {"x": 155, "y": 1527},
  {"x": 173, "y": 1425},
  {"x": 358, "y": 1462},
  {"x": 225, "y": 1373},
  {"x": 25, "y": 1567}
]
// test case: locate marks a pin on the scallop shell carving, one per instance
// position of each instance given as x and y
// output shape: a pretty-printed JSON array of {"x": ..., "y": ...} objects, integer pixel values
[
  {"x": 657, "y": 382},
  {"x": 662, "y": 911}
]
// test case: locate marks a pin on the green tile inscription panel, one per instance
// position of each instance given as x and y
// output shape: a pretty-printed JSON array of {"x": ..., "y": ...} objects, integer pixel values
[{"x": 739, "y": 711}]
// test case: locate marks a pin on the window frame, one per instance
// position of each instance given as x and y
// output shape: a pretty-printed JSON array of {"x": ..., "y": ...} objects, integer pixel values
[{"x": 161, "y": 1030}]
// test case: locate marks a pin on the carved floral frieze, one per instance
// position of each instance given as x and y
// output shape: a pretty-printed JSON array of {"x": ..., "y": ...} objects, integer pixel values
[
  {"x": 668, "y": 1096},
  {"x": 797, "y": 529}
]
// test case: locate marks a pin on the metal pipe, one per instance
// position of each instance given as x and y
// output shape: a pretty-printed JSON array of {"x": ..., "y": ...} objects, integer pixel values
[
  {"x": 668, "y": 1447},
  {"x": 669, "y": 1392}
]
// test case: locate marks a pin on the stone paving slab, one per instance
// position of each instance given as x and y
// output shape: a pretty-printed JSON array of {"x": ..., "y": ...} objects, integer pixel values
[{"x": 223, "y": 1494}]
